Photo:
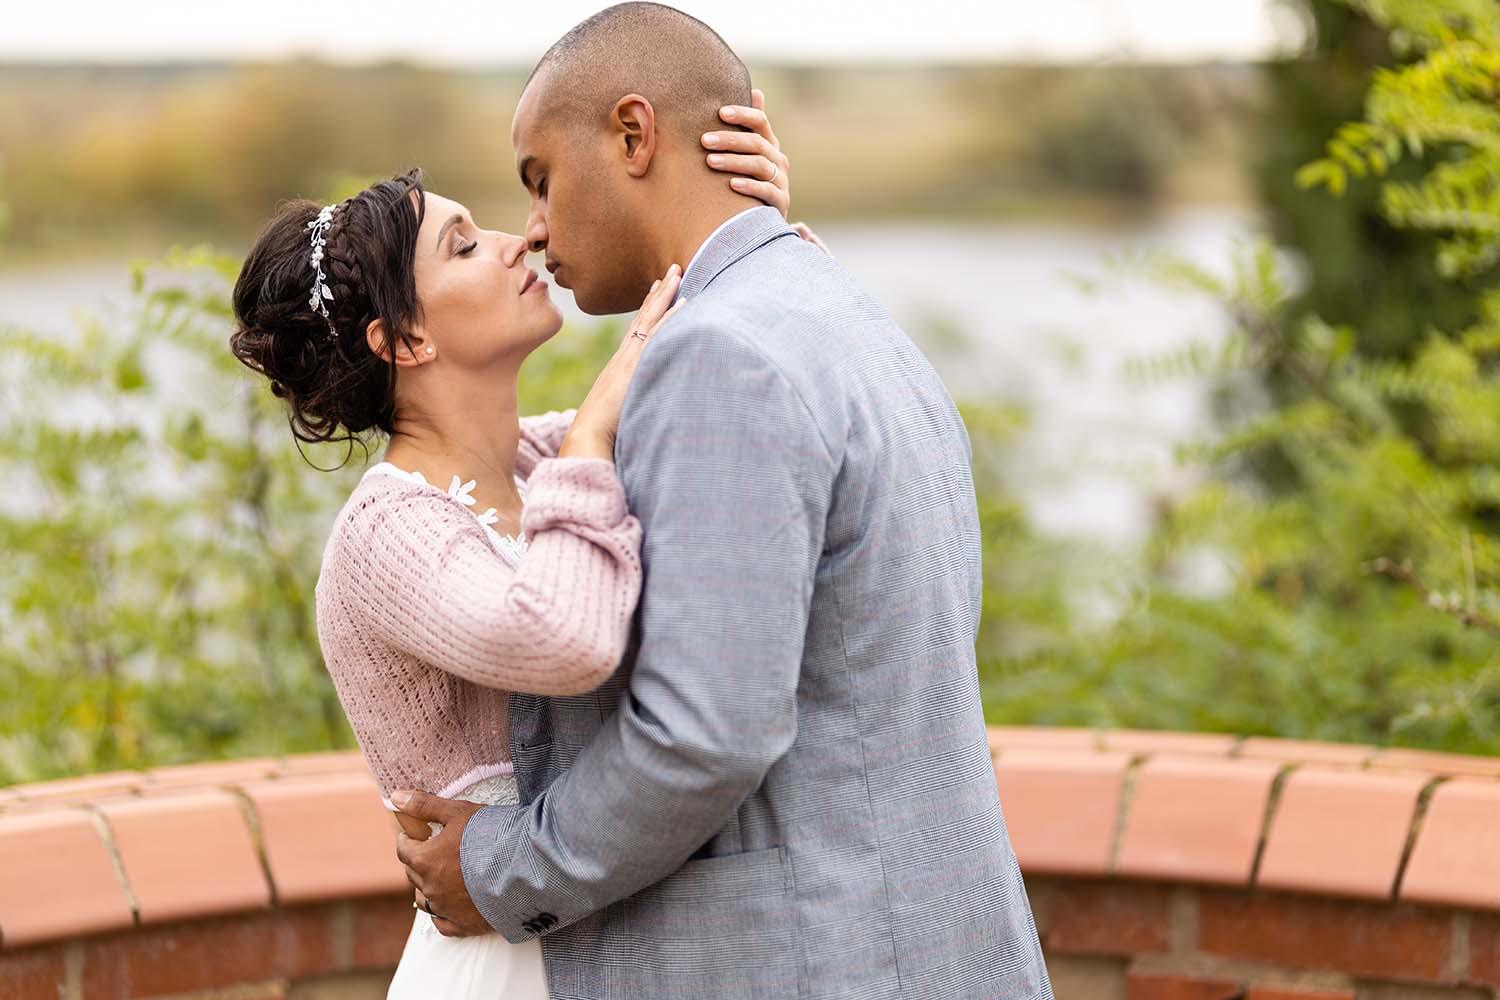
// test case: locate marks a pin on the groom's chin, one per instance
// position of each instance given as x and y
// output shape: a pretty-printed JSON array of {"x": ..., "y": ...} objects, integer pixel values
[{"x": 603, "y": 305}]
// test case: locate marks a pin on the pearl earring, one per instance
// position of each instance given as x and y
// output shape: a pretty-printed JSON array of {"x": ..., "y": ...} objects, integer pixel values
[{"x": 429, "y": 350}]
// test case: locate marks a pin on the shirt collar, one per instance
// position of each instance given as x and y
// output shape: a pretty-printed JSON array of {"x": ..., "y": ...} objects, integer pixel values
[
  {"x": 699, "y": 252},
  {"x": 733, "y": 239}
]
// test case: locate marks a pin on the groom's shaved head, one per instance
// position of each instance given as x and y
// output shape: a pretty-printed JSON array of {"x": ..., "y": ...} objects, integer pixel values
[
  {"x": 607, "y": 143},
  {"x": 675, "y": 61}
]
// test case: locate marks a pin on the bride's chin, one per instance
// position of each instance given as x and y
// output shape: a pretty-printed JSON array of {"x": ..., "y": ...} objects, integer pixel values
[
  {"x": 555, "y": 323},
  {"x": 541, "y": 330}
]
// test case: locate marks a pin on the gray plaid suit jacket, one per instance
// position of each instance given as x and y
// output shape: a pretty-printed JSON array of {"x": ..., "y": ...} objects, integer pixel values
[{"x": 786, "y": 789}]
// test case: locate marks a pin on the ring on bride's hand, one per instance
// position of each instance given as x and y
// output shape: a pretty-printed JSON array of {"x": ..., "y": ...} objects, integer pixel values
[
  {"x": 638, "y": 333},
  {"x": 775, "y": 173}
]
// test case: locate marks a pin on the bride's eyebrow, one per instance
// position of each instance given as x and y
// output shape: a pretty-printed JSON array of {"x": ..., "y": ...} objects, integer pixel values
[{"x": 453, "y": 220}]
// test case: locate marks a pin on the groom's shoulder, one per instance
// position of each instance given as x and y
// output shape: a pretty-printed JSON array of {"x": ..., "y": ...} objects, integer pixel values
[{"x": 787, "y": 289}]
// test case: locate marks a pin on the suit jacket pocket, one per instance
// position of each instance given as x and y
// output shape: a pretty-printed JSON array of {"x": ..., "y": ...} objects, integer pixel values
[{"x": 724, "y": 925}]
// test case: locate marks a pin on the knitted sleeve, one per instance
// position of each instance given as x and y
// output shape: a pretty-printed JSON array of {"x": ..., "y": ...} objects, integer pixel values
[
  {"x": 541, "y": 436},
  {"x": 421, "y": 570}
]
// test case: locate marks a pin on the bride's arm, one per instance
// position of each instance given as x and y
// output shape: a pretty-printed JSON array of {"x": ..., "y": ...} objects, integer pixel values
[
  {"x": 541, "y": 436},
  {"x": 422, "y": 572}
]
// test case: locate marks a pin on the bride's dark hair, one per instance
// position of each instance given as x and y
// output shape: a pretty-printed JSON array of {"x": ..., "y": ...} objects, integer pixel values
[{"x": 336, "y": 388}]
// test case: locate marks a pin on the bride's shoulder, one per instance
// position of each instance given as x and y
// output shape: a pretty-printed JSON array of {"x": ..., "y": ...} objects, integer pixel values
[{"x": 383, "y": 495}]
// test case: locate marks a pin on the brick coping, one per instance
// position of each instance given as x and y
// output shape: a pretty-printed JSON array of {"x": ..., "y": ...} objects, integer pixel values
[{"x": 106, "y": 852}]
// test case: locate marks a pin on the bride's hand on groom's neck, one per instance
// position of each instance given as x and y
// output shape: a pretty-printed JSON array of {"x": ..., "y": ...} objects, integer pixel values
[
  {"x": 761, "y": 170},
  {"x": 751, "y": 153}
]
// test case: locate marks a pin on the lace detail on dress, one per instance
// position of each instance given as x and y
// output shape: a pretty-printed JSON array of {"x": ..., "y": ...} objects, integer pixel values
[
  {"x": 498, "y": 789},
  {"x": 511, "y": 546}
]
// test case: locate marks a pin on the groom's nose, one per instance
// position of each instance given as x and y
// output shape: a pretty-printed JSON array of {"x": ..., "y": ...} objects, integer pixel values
[{"x": 536, "y": 233}]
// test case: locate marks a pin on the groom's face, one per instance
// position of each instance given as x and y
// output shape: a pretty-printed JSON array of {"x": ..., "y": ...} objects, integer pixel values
[{"x": 577, "y": 216}]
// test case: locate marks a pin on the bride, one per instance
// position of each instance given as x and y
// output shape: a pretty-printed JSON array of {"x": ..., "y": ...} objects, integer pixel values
[{"x": 485, "y": 552}]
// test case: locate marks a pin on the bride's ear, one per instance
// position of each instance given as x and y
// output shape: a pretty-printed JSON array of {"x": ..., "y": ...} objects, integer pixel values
[
  {"x": 634, "y": 123},
  {"x": 406, "y": 356}
]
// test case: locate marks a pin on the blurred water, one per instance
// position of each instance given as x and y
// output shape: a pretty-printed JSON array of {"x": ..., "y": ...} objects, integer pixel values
[{"x": 1099, "y": 446}]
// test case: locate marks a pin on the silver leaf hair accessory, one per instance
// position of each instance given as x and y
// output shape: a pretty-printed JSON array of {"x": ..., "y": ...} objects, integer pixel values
[{"x": 320, "y": 290}]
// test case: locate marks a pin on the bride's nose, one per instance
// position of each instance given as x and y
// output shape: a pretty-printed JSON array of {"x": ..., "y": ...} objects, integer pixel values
[{"x": 513, "y": 248}]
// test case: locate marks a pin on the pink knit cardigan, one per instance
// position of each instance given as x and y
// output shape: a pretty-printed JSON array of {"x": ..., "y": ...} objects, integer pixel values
[{"x": 425, "y": 625}]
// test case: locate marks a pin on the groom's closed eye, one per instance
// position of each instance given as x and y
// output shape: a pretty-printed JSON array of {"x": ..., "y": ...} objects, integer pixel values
[{"x": 538, "y": 185}]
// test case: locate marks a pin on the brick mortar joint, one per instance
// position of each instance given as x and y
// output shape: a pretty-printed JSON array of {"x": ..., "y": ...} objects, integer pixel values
[
  {"x": 1256, "y": 975},
  {"x": 1414, "y": 827},
  {"x": 257, "y": 839},
  {"x": 1273, "y": 802},
  {"x": 112, "y": 849},
  {"x": 1122, "y": 812},
  {"x": 1460, "y": 946},
  {"x": 256, "y": 990},
  {"x": 73, "y": 971}
]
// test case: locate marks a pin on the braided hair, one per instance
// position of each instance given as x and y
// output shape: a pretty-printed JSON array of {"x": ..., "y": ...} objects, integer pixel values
[{"x": 336, "y": 388}]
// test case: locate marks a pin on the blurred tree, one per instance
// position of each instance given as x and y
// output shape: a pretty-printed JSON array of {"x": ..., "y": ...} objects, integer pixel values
[
  {"x": 1104, "y": 133},
  {"x": 1359, "y": 269},
  {"x": 162, "y": 535},
  {"x": 4, "y": 206},
  {"x": 158, "y": 544},
  {"x": 1365, "y": 603}
]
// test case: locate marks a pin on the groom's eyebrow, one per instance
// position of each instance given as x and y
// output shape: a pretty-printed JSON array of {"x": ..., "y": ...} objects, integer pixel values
[
  {"x": 525, "y": 167},
  {"x": 453, "y": 220}
]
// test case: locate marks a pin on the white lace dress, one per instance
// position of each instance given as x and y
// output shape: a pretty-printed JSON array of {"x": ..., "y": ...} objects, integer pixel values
[{"x": 487, "y": 966}]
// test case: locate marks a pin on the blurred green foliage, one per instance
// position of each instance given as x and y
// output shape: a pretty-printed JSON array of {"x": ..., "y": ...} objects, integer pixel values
[
  {"x": 162, "y": 533},
  {"x": 157, "y": 545},
  {"x": 162, "y": 536},
  {"x": 1359, "y": 598},
  {"x": 1362, "y": 270}
]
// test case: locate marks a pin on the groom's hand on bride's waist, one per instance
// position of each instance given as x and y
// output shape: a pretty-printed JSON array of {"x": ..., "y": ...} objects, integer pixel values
[{"x": 432, "y": 865}]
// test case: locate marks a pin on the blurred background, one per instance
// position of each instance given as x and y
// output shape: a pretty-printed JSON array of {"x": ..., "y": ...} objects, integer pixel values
[{"x": 1230, "y": 412}]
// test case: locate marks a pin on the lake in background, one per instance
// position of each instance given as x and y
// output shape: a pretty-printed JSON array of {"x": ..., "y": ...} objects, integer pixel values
[{"x": 1099, "y": 446}]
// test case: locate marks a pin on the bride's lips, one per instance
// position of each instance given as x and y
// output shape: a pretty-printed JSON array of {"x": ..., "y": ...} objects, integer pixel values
[{"x": 527, "y": 282}]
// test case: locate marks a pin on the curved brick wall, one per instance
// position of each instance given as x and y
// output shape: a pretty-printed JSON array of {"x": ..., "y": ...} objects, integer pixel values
[{"x": 1161, "y": 866}]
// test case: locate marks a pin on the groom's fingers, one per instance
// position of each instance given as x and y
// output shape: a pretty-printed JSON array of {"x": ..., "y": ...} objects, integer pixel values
[
  {"x": 416, "y": 829},
  {"x": 414, "y": 882}
]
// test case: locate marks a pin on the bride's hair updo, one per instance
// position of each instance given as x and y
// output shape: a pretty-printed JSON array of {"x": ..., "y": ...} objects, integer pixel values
[{"x": 331, "y": 379}]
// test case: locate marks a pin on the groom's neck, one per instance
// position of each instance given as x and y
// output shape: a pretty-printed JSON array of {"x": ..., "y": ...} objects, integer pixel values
[{"x": 695, "y": 220}]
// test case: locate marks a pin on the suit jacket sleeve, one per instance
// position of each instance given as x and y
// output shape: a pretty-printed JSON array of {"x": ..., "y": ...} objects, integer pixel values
[{"x": 731, "y": 479}]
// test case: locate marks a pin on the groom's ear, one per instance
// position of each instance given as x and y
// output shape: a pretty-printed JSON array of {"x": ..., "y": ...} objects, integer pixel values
[{"x": 633, "y": 124}]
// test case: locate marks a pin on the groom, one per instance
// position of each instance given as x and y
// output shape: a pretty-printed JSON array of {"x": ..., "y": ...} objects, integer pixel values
[{"x": 786, "y": 789}]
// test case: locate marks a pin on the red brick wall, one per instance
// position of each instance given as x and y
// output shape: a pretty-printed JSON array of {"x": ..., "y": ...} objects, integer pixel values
[{"x": 1161, "y": 866}]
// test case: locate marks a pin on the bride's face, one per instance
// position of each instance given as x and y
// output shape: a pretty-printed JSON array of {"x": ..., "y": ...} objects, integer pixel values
[{"x": 479, "y": 300}]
